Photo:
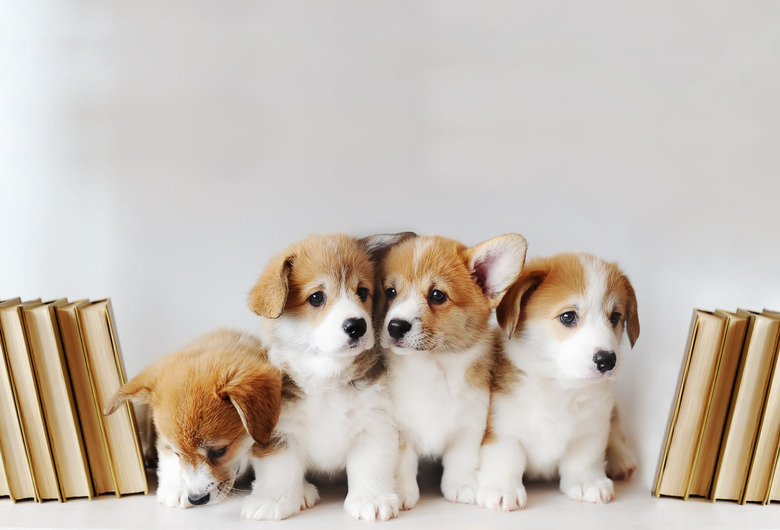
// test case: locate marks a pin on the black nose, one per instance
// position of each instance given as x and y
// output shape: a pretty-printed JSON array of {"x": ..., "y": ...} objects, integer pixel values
[
  {"x": 355, "y": 327},
  {"x": 397, "y": 328},
  {"x": 197, "y": 501},
  {"x": 605, "y": 360}
]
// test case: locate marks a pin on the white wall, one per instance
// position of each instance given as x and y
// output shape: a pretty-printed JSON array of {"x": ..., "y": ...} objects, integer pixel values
[{"x": 160, "y": 152}]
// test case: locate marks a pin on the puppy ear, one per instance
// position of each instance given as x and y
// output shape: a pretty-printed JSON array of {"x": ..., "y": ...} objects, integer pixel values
[
  {"x": 139, "y": 390},
  {"x": 378, "y": 245},
  {"x": 268, "y": 296},
  {"x": 256, "y": 393},
  {"x": 496, "y": 264},
  {"x": 632, "y": 317},
  {"x": 509, "y": 311}
]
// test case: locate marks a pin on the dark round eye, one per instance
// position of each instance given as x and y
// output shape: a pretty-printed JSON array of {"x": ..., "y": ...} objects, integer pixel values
[
  {"x": 614, "y": 319},
  {"x": 317, "y": 299},
  {"x": 215, "y": 454},
  {"x": 569, "y": 318},
  {"x": 362, "y": 293},
  {"x": 437, "y": 297},
  {"x": 390, "y": 293}
]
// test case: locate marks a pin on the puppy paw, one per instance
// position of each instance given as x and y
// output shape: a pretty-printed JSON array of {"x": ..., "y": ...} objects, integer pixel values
[
  {"x": 502, "y": 499},
  {"x": 175, "y": 496},
  {"x": 379, "y": 507},
  {"x": 620, "y": 464},
  {"x": 310, "y": 496},
  {"x": 599, "y": 491},
  {"x": 459, "y": 492},
  {"x": 261, "y": 508},
  {"x": 409, "y": 495}
]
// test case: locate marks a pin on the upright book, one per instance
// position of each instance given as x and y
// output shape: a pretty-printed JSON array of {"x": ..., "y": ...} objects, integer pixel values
[{"x": 105, "y": 365}]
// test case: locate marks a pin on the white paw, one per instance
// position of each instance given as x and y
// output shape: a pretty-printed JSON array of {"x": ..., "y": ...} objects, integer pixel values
[
  {"x": 408, "y": 495},
  {"x": 620, "y": 464},
  {"x": 459, "y": 492},
  {"x": 261, "y": 508},
  {"x": 599, "y": 491},
  {"x": 380, "y": 507},
  {"x": 173, "y": 496},
  {"x": 502, "y": 499}
]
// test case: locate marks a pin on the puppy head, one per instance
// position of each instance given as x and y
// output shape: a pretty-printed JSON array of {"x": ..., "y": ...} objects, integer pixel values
[
  {"x": 571, "y": 310},
  {"x": 211, "y": 404},
  {"x": 440, "y": 293},
  {"x": 316, "y": 297}
]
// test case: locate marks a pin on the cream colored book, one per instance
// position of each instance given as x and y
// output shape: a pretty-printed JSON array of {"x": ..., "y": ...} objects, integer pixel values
[
  {"x": 105, "y": 364},
  {"x": 85, "y": 398},
  {"x": 56, "y": 395},
  {"x": 747, "y": 407},
  {"x": 15, "y": 458},
  {"x": 771, "y": 414},
  {"x": 693, "y": 399},
  {"x": 712, "y": 436}
]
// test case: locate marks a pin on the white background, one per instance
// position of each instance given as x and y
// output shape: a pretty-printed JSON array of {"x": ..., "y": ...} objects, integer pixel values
[{"x": 161, "y": 152}]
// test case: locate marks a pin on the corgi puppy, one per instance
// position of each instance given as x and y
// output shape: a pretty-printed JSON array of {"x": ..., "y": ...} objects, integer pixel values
[
  {"x": 315, "y": 299},
  {"x": 439, "y": 296},
  {"x": 214, "y": 404},
  {"x": 552, "y": 398}
]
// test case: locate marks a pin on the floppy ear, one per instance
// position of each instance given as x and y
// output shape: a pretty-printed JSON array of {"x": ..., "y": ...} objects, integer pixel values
[
  {"x": 496, "y": 263},
  {"x": 509, "y": 310},
  {"x": 256, "y": 393},
  {"x": 378, "y": 245},
  {"x": 139, "y": 390},
  {"x": 268, "y": 296},
  {"x": 632, "y": 317}
]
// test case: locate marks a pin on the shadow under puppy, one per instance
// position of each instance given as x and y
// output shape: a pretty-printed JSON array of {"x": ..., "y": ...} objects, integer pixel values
[{"x": 214, "y": 404}]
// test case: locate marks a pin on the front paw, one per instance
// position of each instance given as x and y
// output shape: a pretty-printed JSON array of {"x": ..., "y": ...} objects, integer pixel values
[
  {"x": 457, "y": 491},
  {"x": 262, "y": 508},
  {"x": 173, "y": 496},
  {"x": 380, "y": 507},
  {"x": 502, "y": 499},
  {"x": 599, "y": 491},
  {"x": 409, "y": 494}
]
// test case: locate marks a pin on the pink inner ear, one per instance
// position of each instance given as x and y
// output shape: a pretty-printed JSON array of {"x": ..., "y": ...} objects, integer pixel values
[{"x": 481, "y": 272}]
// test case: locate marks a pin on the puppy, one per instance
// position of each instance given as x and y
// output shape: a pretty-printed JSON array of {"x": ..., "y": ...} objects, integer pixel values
[
  {"x": 316, "y": 299},
  {"x": 214, "y": 405},
  {"x": 439, "y": 299},
  {"x": 552, "y": 397}
]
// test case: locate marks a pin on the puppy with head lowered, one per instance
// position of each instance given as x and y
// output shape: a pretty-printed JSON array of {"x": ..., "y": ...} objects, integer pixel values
[
  {"x": 315, "y": 299},
  {"x": 214, "y": 404},
  {"x": 552, "y": 400},
  {"x": 439, "y": 297}
]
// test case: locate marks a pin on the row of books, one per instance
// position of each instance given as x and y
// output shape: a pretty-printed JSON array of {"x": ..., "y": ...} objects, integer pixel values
[
  {"x": 60, "y": 363},
  {"x": 723, "y": 440}
]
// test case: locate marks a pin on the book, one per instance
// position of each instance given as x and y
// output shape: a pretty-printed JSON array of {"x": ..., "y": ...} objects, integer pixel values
[
  {"x": 14, "y": 458},
  {"x": 758, "y": 485},
  {"x": 105, "y": 364},
  {"x": 694, "y": 394},
  {"x": 746, "y": 409},
  {"x": 56, "y": 397},
  {"x": 28, "y": 403},
  {"x": 734, "y": 339},
  {"x": 85, "y": 399}
]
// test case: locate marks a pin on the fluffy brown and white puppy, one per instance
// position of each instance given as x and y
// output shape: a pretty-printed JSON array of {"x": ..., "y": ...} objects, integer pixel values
[
  {"x": 214, "y": 404},
  {"x": 439, "y": 300},
  {"x": 552, "y": 399},
  {"x": 315, "y": 299}
]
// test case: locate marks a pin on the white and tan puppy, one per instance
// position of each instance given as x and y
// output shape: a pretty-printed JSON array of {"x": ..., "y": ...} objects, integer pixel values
[
  {"x": 315, "y": 299},
  {"x": 552, "y": 397},
  {"x": 439, "y": 299}
]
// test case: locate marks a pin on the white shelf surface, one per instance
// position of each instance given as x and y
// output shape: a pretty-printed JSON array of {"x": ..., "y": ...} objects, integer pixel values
[{"x": 634, "y": 507}]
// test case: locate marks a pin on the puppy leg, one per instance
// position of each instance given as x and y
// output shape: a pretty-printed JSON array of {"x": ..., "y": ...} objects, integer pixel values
[
  {"x": 371, "y": 478},
  {"x": 170, "y": 490},
  {"x": 408, "y": 489},
  {"x": 279, "y": 489},
  {"x": 582, "y": 470},
  {"x": 500, "y": 476},
  {"x": 460, "y": 461},
  {"x": 620, "y": 462}
]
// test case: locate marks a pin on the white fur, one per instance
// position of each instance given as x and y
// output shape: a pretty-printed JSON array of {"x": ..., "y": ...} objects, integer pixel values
[{"x": 556, "y": 420}]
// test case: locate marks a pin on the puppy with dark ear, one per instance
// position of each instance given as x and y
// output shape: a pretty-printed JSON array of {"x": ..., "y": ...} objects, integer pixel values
[{"x": 215, "y": 404}]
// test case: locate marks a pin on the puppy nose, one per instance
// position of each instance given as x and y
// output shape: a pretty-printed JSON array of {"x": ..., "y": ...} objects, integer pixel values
[
  {"x": 605, "y": 360},
  {"x": 197, "y": 501},
  {"x": 397, "y": 328},
  {"x": 355, "y": 327}
]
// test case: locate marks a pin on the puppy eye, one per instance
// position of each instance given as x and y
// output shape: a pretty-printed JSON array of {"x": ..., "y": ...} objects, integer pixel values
[
  {"x": 390, "y": 293},
  {"x": 215, "y": 454},
  {"x": 362, "y": 293},
  {"x": 317, "y": 299},
  {"x": 569, "y": 318},
  {"x": 437, "y": 297},
  {"x": 614, "y": 319}
]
